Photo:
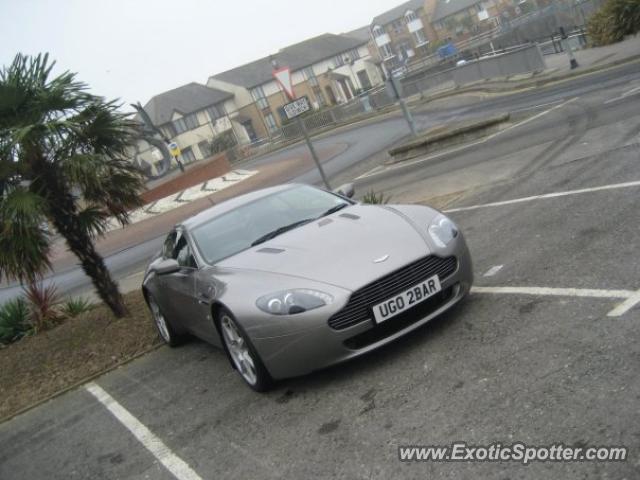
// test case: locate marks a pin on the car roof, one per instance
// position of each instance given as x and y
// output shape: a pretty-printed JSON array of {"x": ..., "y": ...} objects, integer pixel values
[{"x": 231, "y": 204}]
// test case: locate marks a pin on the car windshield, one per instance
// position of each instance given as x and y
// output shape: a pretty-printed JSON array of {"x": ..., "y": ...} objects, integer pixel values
[{"x": 263, "y": 219}]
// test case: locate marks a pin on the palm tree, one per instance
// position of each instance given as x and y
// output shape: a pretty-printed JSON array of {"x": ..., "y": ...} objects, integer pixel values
[{"x": 63, "y": 160}]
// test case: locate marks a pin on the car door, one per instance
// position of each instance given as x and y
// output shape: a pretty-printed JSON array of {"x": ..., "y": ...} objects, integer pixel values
[{"x": 180, "y": 286}]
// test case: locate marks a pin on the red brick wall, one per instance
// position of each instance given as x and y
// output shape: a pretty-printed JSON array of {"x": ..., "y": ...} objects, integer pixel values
[{"x": 215, "y": 167}]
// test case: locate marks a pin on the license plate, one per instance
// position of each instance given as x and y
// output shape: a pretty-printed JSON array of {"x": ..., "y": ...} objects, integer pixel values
[{"x": 406, "y": 300}]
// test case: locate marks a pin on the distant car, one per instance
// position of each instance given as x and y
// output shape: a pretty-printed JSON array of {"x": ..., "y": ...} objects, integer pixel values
[
  {"x": 292, "y": 278},
  {"x": 461, "y": 62}
]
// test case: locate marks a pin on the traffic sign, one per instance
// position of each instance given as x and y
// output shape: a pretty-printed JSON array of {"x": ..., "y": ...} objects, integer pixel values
[
  {"x": 174, "y": 149},
  {"x": 297, "y": 107},
  {"x": 283, "y": 77}
]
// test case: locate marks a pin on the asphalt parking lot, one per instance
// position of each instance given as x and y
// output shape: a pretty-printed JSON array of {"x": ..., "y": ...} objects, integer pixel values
[{"x": 545, "y": 351}]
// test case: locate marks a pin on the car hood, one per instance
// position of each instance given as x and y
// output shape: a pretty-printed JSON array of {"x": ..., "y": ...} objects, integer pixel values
[{"x": 348, "y": 249}]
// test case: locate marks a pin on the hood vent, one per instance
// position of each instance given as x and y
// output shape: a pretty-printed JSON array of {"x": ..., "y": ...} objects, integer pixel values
[
  {"x": 350, "y": 216},
  {"x": 270, "y": 250}
]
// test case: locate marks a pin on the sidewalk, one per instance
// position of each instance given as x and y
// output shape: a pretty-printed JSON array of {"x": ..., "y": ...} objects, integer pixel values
[{"x": 558, "y": 69}]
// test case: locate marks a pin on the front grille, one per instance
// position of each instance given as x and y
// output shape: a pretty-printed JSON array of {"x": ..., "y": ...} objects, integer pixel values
[
  {"x": 358, "y": 309},
  {"x": 400, "y": 322}
]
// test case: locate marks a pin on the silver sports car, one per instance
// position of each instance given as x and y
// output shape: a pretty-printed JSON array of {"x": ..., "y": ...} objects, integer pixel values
[{"x": 292, "y": 279}]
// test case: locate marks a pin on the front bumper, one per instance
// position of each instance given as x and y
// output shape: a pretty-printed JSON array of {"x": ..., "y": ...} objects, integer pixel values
[{"x": 319, "y": 346}]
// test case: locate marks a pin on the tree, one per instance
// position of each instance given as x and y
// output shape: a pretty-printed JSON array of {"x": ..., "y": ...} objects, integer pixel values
[{"x": 63, "y": 160}]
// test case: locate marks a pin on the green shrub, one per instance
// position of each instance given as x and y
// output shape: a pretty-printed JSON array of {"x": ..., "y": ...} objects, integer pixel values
[
  {"x": 614, "y": 20},
  {"x": 375, "y": 198},
  {"x": 14, "y": 320},
  {"x": 75, "y": 306}
]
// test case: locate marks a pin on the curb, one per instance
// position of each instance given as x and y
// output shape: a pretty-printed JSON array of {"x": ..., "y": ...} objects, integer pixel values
[
  {"x": 79, "y": 383},
  {"x": 431, "y": 138}
]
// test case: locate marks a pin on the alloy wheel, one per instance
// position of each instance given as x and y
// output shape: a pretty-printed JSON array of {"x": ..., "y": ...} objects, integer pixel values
[{"x": 239, "y": 350}]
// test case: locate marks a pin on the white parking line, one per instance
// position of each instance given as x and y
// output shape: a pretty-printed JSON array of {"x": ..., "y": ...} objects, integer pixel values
[
  {"x": 625, "y": 306},
  {"x": 630, "y": 297},
  {"x": 558, "y": 292},
  {"x": 547, "y": 195},
  {"x": 178, "y": 467},
  {"x": 493, "y": 270},
  {"x": 626, "y": 94}
]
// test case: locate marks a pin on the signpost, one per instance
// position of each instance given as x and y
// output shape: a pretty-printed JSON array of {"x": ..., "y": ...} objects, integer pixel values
[
  {"x": 297, "y": 107},
  {"x": 174, "y": 149},
  {"x": 294, "y": 109}
]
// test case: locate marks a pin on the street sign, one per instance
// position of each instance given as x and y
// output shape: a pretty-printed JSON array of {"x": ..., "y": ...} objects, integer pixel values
[
  {"x": 297, "y": 107},
  {"x": 283, "y": 77},
  {"x": 174, "y": 149}
]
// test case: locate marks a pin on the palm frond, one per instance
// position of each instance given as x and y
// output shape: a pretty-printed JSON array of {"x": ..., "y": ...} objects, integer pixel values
[
  {"x": 24, "y": 241},
  {"x": 93, "y": 220}
]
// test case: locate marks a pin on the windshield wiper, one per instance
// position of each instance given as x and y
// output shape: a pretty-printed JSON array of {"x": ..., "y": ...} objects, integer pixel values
[
  {"x": 334, "y": 209},
  {"x": 280, "y": 230}
]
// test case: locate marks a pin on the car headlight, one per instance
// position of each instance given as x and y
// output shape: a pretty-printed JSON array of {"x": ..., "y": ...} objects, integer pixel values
[
  {"x": 442, "y": 231},
  {"x": 290, "y": 302}
]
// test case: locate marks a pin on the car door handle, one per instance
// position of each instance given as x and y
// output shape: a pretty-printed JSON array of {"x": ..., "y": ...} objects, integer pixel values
[{"x": 203, "y": 299}]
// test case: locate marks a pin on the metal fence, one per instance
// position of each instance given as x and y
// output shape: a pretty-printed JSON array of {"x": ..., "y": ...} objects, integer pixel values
[{"x": 365, "y": 104}]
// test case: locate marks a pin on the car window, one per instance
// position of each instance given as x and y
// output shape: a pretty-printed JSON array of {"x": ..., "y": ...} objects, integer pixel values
[
  {"x": 236, "y": 230},
  {"x": 169, "y": 245},
  {"x": 182, "y": 253}
]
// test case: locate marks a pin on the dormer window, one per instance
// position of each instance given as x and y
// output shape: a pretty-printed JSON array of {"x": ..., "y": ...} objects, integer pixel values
[
  {"x": 378, "y": 31},
  {"x": 410, "y": 16}
]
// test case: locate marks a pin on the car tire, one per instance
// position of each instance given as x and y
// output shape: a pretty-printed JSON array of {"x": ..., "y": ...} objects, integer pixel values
[
  {"x": 166, "y": 331},
  {"x": 242, "y": 355}
]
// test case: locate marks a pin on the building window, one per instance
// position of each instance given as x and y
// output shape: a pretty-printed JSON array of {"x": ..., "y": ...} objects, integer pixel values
[
  {"x": 187, "y": 155},
  {"x": 179, "y": 126},
  {"x": 259, "y": 97},
  {"x": 378, "y": 31},
  {"x": 310, "y": 76},
  {"x": 191, "y": 121},
  {"x": 385, "y": 51},
  {"x": 270, "y": 121},
  {"x": 215, "y": 112},
  {"x": 438, "y": 25},
  {"x": 338, "y": 61},
  {"x": 169, "y": 130},
  {"x": 419, "y": 38},
  {"x": 410, "y": 16},
  {"x": 354, "y": 54},
  {"x": 205, "y": 148}
]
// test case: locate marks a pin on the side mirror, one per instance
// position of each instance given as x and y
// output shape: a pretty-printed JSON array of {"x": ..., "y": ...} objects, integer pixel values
[
  {"x": 164, "y": 267},
  {"x": 346, "y": 190}
]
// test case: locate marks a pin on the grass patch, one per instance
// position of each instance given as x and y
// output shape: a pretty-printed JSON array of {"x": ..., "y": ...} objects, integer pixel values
[{"x": 42, "y": 365}]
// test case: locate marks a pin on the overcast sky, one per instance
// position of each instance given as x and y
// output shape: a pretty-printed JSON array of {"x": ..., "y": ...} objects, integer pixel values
[{"x": 134, "y": 49}]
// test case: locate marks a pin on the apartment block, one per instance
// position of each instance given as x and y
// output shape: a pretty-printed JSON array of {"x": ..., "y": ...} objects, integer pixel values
[
  {"x": 192, "y": 116},
  {"x": 403, "y": 34},
  {"x": 328, "y": 69},
  {"x": 455, "y": 20}
]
